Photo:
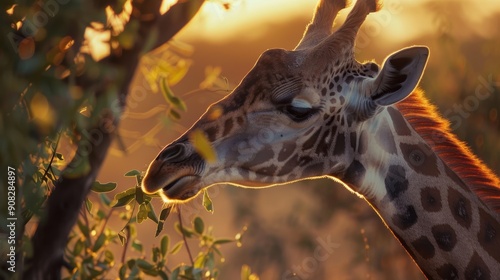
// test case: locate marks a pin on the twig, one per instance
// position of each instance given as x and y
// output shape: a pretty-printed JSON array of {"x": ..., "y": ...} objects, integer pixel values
[
  {"x": 106, "y": 222},
  {"x": 126, "y": 245},
  {"x": 184, "y": 236},
  {"x": 54, "y": 151},
  {"x": 126, "y": 227}
]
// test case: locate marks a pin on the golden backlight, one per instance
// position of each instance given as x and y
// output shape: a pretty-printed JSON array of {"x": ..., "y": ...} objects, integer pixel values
[
  {"x": 248, "y": 19},
  {"x": 223, "y": 21}
]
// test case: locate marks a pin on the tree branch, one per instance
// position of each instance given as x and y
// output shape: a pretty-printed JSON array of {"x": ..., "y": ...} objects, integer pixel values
[
  {"x": 175, "y": 19},
  {"x": 66, "y": 200}
]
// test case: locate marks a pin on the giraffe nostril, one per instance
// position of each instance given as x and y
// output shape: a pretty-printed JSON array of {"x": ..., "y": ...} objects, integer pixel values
[{"x": 174, "y": 153}]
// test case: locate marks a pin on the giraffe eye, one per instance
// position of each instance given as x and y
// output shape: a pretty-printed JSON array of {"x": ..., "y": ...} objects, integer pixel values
[{"x": 299, "y": 110}]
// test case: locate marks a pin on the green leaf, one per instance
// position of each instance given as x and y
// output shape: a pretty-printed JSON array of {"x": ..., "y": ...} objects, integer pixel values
[
  {"x": 139, "y": 195},
  {"x": 217, "y": 251},
  {"x": 163, "y": 275},
  {"x": 142, "y": 214},
  {"x": 175, "y": 273},
  {"x": 131, "y": 263},
  {"x": 207, "y": 202},
  {"x": 174, "y": 115},
  {"x": 101, "y": 188},
  {"x": 137, "y": 245},
  {"x": 151, "y": 212},
  {"x": 199, "y": 261},
  {"x": 82, "y": 168},
  {"x": 123, "y": 198},
  {"x": 164, "y": 244},
  {"x": 223, "y": 241},
  {"x": 171, "y": 99},
  {"x": 83, "y": 228},
  {"x": 199, "y": 226},
  {"x": 78, "y": 247},
  {"x": 123, "y": 237},
  {"x": 99, "y": 242},
  {"x": 183, "y": 231},
  {"x": 108, "y": 256},
  {"x": 88, "y": 205},
  {"x": 197, "y": 273},
  {"x": 156, "y": 253},
  {"x": 133, "y": 173},
  {"x": 165, "y": 212},
  {"x": 163, "y": 216},
  {"x": 101, "y": 215},
  {"x": 159, "y": 228},
  {"x": 181, "y": 69},
  {"x": 210, "y": 261},
  {"x": 105, "y": 199},
  {"x": 146, "y": 267},
  {"x": 134, "y": 273},
  {"x": 122, "y": 271},
  {"x": 177, "y": 247},
  {"x": 94, "y": 273}
]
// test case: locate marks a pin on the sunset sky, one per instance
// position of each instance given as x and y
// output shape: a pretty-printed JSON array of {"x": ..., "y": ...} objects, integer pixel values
[{"x": 248, "y": 18}]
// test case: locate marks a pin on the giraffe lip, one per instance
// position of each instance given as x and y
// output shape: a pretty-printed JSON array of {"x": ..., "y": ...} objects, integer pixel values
[{"x": 181, "y": 188}]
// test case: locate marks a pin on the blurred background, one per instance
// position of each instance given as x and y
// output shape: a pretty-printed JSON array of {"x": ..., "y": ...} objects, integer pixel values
[{"x": 286, "y": 224}]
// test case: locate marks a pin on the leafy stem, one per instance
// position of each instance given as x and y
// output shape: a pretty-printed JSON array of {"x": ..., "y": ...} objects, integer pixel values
[
  {"x": 125, "y": 246},
  {"x": 179, "y": 215}
]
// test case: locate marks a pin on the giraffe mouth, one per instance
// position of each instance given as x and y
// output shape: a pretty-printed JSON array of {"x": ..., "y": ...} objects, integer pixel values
[{"x": 182, "y": 188}]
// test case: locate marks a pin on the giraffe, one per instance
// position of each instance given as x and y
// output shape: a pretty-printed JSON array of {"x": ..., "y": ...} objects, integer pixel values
[{"x": 316, "y": 111}]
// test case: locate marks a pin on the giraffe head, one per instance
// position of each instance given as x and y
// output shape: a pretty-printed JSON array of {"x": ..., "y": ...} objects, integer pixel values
[{"x": 295, "y": 115}]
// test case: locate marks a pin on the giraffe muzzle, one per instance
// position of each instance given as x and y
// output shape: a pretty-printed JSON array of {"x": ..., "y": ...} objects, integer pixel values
[
  {"x": 175, "y": 173},
  {"x": 182, "y": 188}
]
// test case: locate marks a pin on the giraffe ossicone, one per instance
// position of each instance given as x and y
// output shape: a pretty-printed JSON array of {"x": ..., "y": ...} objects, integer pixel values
[{"x": 316, "y": 111}]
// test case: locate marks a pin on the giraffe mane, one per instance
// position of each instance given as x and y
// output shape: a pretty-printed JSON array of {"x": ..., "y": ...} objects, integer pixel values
[{"x": 435, "y": 130}]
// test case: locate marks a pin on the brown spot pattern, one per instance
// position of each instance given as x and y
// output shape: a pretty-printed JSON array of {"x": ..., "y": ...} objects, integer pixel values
[
  {"x": 430, "y": 199},
  {"x": 268, "y": 170},
  {"x": 447, "y": 272},
  {"x": 399, "y": 122},
  {"x": 228, "y": 125},
  {"x": 405, "y": 218},
  {"x": 395, "y": 181},
  {"x": 261, "y": 156},
  {"x": 339, "y": 144},
  {"x": 460, "y": 208},
  {"x": 310, "y": 142},
  {"x": 445, "y": 236},
  {"x": 477, "y": 269},
  {"x": 488, "y": 235},
  {"x": 323, "y": 146},
  {"x": 426, "y": 163},
  {"x": 453, "y": 176},
  {"x": 385, "y": 139},
  {"x": 212, "y": 133},
  {"x": 289, "y": 165},
  {"x": 353, "y": 140},
  {"x": 424, "y": 247},
  {"x": 355, "y": 173},
  {"x": 287, "y": 150},
  {"x": 313, "y": 169}
]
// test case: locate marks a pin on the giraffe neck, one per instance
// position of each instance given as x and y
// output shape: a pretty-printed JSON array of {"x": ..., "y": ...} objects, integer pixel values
[{"x": 446, "y": 228}]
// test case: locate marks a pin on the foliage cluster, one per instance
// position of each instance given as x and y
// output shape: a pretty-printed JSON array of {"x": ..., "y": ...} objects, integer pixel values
[
  {"x": 89, "y": 252},
  {"x": 59, "y": 100}
]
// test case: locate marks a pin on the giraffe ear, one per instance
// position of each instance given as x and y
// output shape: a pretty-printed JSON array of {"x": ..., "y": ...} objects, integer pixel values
[{"x": 399, "y": 75}]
